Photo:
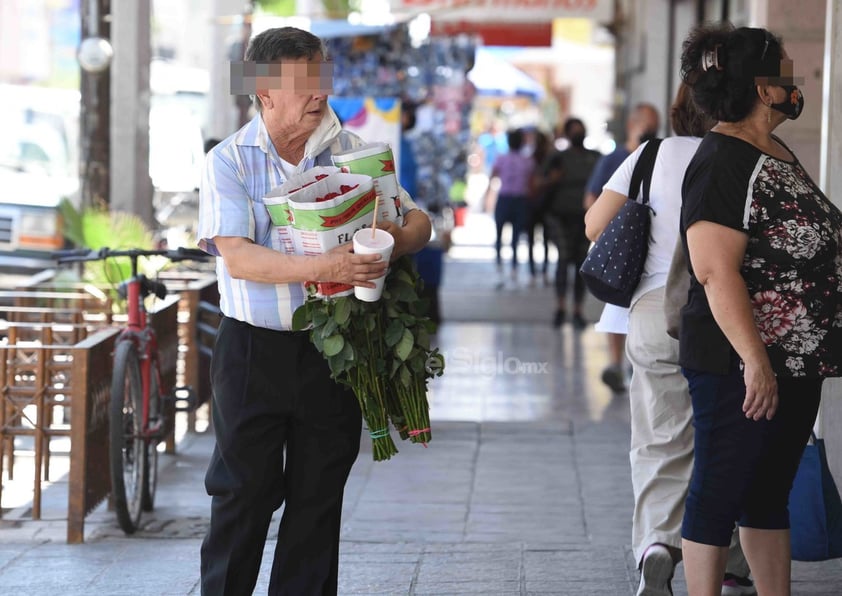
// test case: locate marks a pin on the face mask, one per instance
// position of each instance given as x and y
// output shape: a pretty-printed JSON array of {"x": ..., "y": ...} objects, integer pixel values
[
  {"x": 793, "y": 106},
  {"x": 577, "y": 140}
]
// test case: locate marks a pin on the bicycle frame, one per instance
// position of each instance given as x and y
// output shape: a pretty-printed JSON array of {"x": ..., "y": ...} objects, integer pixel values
[
  {"x": 146, "y": 342},
  {"x": 136, "y": 427}
]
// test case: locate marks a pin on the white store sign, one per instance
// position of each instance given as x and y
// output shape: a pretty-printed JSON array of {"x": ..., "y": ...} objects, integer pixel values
[{"x": 521, "y": 11}]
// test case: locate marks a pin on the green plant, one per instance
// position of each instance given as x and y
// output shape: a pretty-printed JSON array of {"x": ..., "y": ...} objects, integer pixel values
[
  {"x": 95, "y": 228},
  {"x": 381, "y": 350}
]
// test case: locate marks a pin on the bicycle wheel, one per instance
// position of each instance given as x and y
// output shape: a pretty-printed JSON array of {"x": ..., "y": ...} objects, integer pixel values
[
  {"x": 127, "y": 445},
  {"x": 150, "y": 469}
]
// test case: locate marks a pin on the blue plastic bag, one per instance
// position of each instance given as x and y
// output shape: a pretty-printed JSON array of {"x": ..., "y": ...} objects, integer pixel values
[{"x": 815, "y": 508}]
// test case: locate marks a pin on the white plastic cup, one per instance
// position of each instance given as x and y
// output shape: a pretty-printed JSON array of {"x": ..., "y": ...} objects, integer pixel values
[{"x": 381, "y": 244}]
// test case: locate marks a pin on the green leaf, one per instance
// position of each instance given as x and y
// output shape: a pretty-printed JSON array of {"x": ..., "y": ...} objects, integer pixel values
[
  {"x": 348, "y": 354},
  {"x": 73, "y": 228},
  {"x": 422, "y": 337},
  {"x": 394, "y": 332},
  {"x": 343, "y": 311},
  {"x": 329, "y": 328},
  {"x": 301, "y": 317},
  {"x": 281, "y": 8},
  {"x": 404, "y": 276},
  {"x": 417, "y": 361},
  {"x": 317, "y": 340},
  {"x": 404, "y": 292},
  {"x": 404, "y": 376},
  {"x": 333, "y": 345},
  {"x": 320, "y": 316},
  {"x": 407, "y": 320},
  {"x": 337, "y": 364},
  {"x": 404, "y": 346},
  {"x": 395, "y": 365}
]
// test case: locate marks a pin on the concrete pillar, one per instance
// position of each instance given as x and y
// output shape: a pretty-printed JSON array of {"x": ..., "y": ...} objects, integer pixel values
[
  {"x": 226, "y": 29},
  {"x": 131, "y": 187},
  {"x": 649, "y": 66},
  {"x": 802, "y": 27},
  {"x": 831, "y": 153},
  {"x": 831, "y": 183},
  {"x": 649, "y": 54}
]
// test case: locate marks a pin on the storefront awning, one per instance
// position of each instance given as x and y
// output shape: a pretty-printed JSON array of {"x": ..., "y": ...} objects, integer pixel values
[{"x": 492, "y": 75}]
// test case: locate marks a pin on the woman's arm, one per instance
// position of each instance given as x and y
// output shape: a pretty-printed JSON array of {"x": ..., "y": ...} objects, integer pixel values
[
  {"x": 602, "y": 212},
  {"x": 716, "y": 255}
]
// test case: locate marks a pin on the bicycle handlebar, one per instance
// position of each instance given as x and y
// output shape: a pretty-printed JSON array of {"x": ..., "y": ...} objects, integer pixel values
[{"x": 83, "y": 254}]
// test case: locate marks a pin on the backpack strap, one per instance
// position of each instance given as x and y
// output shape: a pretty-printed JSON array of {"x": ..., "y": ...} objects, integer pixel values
[{"x": 643, "y": 170}]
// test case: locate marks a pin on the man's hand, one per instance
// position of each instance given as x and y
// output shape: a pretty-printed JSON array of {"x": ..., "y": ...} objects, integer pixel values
[
  {"x": 397, "y": 233},
  {"x": 342, "y": 265},
  {"x": 412, "y": 236}
]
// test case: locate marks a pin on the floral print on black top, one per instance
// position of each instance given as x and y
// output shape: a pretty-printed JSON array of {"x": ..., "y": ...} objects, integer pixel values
[{"x": 793, "y": 271}]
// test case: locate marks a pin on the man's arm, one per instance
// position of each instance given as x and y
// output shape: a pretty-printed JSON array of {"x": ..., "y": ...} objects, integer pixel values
[
  {"x": 247, "y": 260},
  {"x": 412, "y": 236}
]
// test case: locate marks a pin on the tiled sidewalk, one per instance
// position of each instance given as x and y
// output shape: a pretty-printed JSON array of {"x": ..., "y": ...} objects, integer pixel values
[{"x": 524, "y": 489}]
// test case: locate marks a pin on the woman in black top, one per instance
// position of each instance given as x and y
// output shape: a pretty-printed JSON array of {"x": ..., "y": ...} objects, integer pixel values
[{"x": 763, "y": 324}]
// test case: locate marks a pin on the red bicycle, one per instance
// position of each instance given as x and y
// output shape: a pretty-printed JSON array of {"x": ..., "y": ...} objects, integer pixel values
[{"x": 137, "y": 420}]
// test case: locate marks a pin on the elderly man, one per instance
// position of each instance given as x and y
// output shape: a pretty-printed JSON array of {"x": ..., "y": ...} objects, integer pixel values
[{"x": 285, "y": 431}]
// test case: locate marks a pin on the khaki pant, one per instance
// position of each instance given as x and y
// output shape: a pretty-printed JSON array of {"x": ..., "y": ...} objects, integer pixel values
[{"x": 661, "y": 452}]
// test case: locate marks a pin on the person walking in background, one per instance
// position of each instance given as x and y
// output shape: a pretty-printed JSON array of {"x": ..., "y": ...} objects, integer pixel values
[
  {"x": 536, "y": 205},
  {"x": 566, "y": 173},
  {"x": 429, "y": 261},
  {"x": 642, "y": 124},
  {"x": 661, "y": 453},
  {"x": 285, "y": 431},
  {"x": 513, "y": 170},
  {"x": 493, "y": 143},
  {"x": 761, "y": 328}
]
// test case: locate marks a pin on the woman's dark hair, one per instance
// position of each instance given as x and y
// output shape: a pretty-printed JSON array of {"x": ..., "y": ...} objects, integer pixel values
[
  {"x": 542, "y": 147},
  {"x": 283, "y": 42},
  {"x": 570, "y": 123},
  {"x": 408, "y": 116},
  {"x": 515, "y": 139},
  {"x": 686, "y": 119},
  {"x": 726, "y": 90}
]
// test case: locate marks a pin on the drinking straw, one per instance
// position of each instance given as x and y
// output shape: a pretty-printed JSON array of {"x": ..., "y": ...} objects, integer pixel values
[{"x": 374, "y": 222}]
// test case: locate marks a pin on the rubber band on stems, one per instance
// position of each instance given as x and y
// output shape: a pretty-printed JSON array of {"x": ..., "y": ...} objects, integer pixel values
[
  {"x": 379, "y": 434},
  {"x": 415, "y": 433}
]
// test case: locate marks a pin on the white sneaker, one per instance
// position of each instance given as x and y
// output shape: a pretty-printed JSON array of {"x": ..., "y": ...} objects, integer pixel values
[{"x": 656, "y": 572}]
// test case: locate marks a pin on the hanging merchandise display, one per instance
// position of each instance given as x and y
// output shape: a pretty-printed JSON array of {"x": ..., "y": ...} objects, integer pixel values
[{"x": 432, "y": 76}]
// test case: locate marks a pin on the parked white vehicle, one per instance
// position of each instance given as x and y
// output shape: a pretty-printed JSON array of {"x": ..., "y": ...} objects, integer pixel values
[
  {"x": 38, "y": 168},
  {"x": 39, "y": 160}
]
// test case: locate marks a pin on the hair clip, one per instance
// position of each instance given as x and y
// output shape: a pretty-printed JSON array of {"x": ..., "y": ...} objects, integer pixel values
[
  {"x": 710, "y": 58},
  {"x": 766, "y": 40}
]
